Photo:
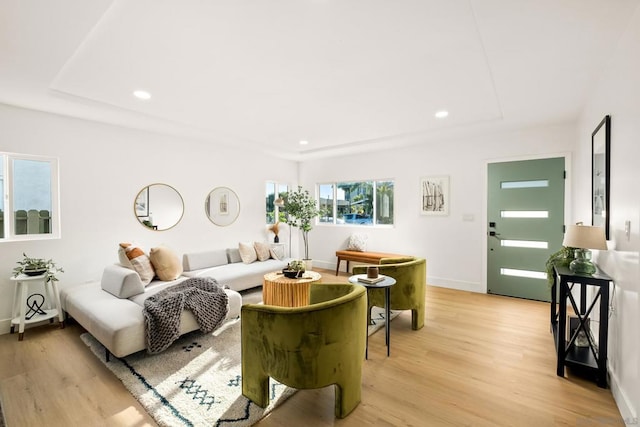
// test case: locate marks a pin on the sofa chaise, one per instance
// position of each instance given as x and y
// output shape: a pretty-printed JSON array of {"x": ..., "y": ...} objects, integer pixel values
[{"x": 111, "y": 309}]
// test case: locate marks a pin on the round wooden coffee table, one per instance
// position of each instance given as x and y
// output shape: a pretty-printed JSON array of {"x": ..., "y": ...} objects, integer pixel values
[{"x": 285, "y": 292}]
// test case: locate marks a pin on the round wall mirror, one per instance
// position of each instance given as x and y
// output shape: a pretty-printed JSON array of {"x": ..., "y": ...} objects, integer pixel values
[
  {"x": 159, "y": 207},
  {"x": 222, "y": 206}
]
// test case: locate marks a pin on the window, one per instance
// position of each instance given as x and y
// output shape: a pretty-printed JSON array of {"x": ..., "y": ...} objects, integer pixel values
[
  {"x": 274, "y": 191},
  {"x": 356, "y": 203},
  {"x": 29, "y": 197}
]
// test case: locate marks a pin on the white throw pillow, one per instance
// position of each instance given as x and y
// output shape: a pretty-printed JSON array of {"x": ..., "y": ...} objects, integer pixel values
[
  {"x": 358, "y": 242},
  {"x": 277, "y": 252},
  {"x": 247, "y": 252},
  {"x": 122, "y": 257}
]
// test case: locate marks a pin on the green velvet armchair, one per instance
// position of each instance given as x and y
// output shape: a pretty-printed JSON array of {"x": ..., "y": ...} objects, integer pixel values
[
  {"x": 409, "y": 291},
  {"x": 307, "y": 347}
]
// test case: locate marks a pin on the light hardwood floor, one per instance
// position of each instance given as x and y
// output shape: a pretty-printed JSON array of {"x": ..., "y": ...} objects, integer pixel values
[{"x": 480, "y": 360}]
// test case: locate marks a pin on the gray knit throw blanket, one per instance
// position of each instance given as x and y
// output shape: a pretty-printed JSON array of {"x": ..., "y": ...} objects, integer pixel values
[{"x": 202, "y": 295}]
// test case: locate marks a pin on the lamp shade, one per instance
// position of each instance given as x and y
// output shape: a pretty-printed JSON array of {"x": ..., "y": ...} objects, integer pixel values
[
  {"x": 279, "y": 202},
  {"x": 584, "y": 237}
]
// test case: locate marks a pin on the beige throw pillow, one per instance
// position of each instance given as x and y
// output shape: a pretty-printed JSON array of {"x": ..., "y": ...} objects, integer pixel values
[
  {"x": 166, "y": 263},
  {"x": 140, "y": 262},
  {"x": 262, "y": 251},
  {"x": 247, "y": 252}
]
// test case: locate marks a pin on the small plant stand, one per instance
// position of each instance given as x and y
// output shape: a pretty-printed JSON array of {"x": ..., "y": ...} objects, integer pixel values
[{"x": 36, "y": 313}]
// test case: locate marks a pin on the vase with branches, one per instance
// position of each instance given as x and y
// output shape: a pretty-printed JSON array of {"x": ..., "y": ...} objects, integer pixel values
[{"x": 301, "y": 209}]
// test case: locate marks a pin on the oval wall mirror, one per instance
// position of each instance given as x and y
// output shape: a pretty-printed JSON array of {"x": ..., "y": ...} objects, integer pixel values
[
  {"x": 159, "y": 207},
  {"x": 222, "y": 206}
]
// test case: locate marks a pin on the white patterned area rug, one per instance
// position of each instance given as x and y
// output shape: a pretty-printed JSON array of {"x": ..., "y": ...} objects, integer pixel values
[{"x": 197, "y": 381}]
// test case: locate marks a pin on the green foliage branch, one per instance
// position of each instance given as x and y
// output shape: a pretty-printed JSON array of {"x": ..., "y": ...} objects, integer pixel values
[
  {"x": 562, "y": 257},
  {"x": 301, "y": 210},
  {"x": 48, "y": 267}
]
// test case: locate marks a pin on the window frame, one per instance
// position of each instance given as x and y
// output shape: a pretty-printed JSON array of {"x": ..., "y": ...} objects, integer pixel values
[
  {"x": 374, "y": 213},
  {"x": 8, "y": 180},
  {"x": 277, "y": 185}
]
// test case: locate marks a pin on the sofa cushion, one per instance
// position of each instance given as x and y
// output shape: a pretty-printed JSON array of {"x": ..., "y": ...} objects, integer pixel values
[
  {"x": 140, "y": 261},
  {"x": 247, "y": 252},
  {"x": 205, "y": 259},
  {"x": 262, "y": 251},
  {"x": 233, "y": 255},
  {"x": 121, "y": 282},
  {"x": 166, "y": 263}
]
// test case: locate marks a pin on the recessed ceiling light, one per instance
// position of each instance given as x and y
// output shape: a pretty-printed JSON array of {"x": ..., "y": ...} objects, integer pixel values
[
  {"x": 304, "y": 142},
  {"x": 441, "y": 114},
  {"x": 141, "y": 94}
]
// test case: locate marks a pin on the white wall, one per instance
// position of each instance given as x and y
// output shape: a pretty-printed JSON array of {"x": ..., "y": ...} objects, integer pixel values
[
  {"x": 102, "y": 169},
  {"x": 453, "y": 247},
  {"x": 617, "y": 95}
]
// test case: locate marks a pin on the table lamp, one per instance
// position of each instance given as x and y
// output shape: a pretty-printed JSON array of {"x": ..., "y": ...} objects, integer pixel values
[{"x": 583, "y": 238}]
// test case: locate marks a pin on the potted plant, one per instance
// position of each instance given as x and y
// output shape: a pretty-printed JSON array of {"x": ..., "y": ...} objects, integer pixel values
[
  {"x": 301, "y": 209},
  {"x": 295, "y": 268},
  {"x": 37, "y": 266}
]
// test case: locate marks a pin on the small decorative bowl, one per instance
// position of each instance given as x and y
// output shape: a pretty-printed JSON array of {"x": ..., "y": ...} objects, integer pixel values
[
  {"x": 35, "y": 272},
  {"x": 291, "y": 274}
]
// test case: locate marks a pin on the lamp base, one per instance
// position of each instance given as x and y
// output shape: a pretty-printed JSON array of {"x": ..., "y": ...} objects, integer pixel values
[{"x": 582, "y": 264}]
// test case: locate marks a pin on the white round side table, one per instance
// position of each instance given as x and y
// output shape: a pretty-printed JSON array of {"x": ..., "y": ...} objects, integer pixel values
[{"x": 20, "y": 296}]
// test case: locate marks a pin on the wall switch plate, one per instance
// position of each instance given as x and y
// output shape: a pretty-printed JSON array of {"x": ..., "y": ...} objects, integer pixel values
[
  {"x": 468, "y": 217},
  {"x": 627, "y": 229}
]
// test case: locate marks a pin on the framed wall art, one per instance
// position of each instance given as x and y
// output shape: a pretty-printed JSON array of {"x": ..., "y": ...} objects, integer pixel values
[
  {"x": 600, "y": 173},
  {"x": 222, "y": 206},
  {"x": 434, "y": 195}
]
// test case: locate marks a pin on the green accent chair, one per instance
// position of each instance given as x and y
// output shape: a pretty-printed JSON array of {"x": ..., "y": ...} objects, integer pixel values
[
  {"x": 307, "y": 347},
  {"x": 409, "y": 291}
]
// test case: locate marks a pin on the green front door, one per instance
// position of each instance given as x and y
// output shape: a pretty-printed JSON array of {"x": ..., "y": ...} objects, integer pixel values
[{"x": 526, "y": 221}]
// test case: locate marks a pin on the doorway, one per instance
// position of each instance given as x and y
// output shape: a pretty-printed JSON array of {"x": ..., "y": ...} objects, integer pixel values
[{"x": 525, "y": 211}]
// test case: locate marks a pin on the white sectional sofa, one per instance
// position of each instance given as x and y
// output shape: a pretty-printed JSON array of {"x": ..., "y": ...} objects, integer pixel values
[
  {"x": 111, "y": 309},
  {"x": 226, "y": 266}
]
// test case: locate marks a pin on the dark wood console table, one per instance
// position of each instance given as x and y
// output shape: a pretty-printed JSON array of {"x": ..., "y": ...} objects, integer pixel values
[{"x": 594, "y": 356}]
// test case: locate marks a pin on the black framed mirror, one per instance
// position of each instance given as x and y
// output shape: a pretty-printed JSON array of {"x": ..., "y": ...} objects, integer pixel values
[
  {"x": 600, "y": 171},
  {"x": 159, "y": 207}
]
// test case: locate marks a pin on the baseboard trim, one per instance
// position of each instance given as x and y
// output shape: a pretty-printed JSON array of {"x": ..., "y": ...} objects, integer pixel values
[
  {"x": 627, "y": 411},
  {"x": 456, "y": 284},
  {"x": 5, "y": 326}
]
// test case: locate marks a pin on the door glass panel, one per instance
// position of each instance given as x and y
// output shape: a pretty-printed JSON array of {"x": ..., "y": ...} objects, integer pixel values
[
  {"x": 523, "y": 273},
  {"x": 524, "y": 214},
  {"x": 525, "y": 244},
  {"x": 525, "y": 184}
]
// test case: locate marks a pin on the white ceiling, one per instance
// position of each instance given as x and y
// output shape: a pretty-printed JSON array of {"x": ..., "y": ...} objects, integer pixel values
[{"x": 343, "y": 75}]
